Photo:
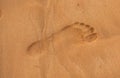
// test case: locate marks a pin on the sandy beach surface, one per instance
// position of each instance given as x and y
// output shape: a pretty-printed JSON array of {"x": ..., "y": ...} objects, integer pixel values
[{"x": 59, "y": 39}]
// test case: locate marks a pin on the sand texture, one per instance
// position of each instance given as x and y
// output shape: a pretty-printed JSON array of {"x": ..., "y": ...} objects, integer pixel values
[{"x": 59, "y": 39}]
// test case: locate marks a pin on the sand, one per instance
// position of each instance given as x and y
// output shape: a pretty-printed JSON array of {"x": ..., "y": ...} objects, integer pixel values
[{"x": 59, "y": 39}]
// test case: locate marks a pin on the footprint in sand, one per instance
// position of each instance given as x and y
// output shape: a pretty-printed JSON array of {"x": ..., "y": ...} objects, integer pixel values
[
  {"x": 71, "y": 34},
  {"x": 77, "y": 32}
]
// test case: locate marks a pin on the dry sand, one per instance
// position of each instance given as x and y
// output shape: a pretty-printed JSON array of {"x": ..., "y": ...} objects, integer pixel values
[{"x": 59, "y": 39}]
